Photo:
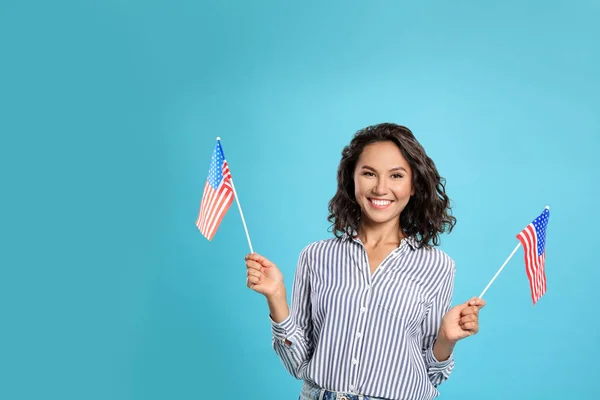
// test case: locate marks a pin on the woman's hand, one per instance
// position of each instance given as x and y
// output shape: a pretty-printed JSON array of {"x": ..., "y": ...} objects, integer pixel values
[
  {"x": 461, "y": 321},
  {"x": 263, "y": 276}
]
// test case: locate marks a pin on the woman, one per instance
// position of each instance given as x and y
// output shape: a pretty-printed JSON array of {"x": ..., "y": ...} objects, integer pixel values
[{"x": 370, "y": 315}]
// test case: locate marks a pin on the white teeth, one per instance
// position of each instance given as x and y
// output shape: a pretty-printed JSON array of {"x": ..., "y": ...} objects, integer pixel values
[{"x": 380, "y": 202}]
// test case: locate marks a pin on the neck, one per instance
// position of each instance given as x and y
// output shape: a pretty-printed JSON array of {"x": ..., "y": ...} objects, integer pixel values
[{"x": 376, "y": 234}]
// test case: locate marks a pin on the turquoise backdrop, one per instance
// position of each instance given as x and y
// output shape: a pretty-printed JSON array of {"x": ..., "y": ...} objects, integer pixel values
[{"x": 109, "y": 112}]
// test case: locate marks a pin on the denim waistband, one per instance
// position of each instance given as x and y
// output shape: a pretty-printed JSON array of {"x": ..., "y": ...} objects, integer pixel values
[{"x": 310, "y": 391}]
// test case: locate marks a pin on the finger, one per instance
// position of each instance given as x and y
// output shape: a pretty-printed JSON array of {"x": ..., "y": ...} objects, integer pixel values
[
  {"x": 254, "y": 265},
  {"x": 255, "y": 273},
  {"x": 251, "y": 281},
  {"x": 477, "y": 302},
  {"x": 470, "y": 310},
  {"x": 251, "y": 256},
  {"x": 468, "y": 318},
  {"x": 470, "y": 326},
  {"x": 265, "y": 262}
]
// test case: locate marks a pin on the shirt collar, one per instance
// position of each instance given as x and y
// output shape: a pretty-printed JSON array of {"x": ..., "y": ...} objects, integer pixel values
[{"x": 411, "y": 240}]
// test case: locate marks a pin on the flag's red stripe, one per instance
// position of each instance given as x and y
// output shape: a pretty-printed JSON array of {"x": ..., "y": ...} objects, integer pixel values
[
  {"x": 214, "y": 204},
  {"x": 532, "y": 261},
  {"x": 536, "y": 264},
  {"x": 226, "y": 172},
  {"x": 221, "y": 198},
  {"x": 539, "y": 271},
  {"x": 201, "y": 212},
  {"x": 541, "y": 276},
  {"x": 206, "y": 208},
  {"x": 225, "y": 182},
  {"x": 210, "y": 212},
  {"x": 210, "y": 201},
  {"x": 220, "y": 214},
  {"x": 202, "y": 204},
  {"x": 538, "y": 277},
  {"x": 526, "y": 237},
  {"x": 209, "y": 226}
]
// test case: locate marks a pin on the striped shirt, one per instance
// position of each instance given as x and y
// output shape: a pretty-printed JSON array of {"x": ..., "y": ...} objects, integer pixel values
[{"x": 370, "y": 334}]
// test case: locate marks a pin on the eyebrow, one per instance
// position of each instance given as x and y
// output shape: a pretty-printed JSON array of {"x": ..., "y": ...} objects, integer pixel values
[{"x": 391, "y": 170}]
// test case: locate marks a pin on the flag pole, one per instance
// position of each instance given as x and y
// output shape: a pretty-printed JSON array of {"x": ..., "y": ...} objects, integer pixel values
[
  {"x": 240, "y": 208},
  {"x": 242, "y": 214},
  {"x": 498, "y": 273}
]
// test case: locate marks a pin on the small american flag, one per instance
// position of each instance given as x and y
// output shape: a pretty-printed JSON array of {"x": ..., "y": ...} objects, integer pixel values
[
  {"x": 533, "y": 239},
  {"x": 218, "y": 194}
]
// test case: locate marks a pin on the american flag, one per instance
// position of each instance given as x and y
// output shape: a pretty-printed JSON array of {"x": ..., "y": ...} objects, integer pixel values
[
  {"x": 533, "y": 239},
  {"x": 218, "y": 194}
]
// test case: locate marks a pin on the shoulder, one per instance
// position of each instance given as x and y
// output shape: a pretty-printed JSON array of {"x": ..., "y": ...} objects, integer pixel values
[
  {"x": 320, "y": 247},
  {"x": 438, "y": 260},
  {"x": 312, "y": 255}
]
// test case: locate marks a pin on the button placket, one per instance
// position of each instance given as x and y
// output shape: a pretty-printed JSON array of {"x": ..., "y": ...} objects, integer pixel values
[{"x": 362, "y": 317}]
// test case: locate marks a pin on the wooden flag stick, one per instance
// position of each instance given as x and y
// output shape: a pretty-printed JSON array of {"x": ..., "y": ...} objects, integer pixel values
[{"x": 500, "y": 270}]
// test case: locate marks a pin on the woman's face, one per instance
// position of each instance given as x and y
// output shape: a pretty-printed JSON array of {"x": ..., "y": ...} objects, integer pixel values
[{"x": 382, "y": 182}]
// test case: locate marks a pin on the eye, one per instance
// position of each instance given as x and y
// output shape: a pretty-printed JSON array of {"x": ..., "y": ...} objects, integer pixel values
[
  {"x": 367, "y": 173},
  {"x": 396, "y": 176}
]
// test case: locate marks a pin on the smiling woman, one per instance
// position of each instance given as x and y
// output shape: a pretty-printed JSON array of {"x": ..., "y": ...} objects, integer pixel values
[
  {"x": 378, "y": 188},
  {"x": 395, "y": 147},
  {"x": 370, "y": 315}
]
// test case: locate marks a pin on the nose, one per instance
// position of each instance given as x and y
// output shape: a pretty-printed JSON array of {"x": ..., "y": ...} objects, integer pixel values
[{"x": 381, "y": 186}]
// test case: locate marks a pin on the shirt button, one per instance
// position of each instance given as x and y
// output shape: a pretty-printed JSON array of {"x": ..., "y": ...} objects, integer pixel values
[
  {"x": 351, "y": 387},
  {"x": 354, "y": 361},
  {"x": 359, "y": 334},
  {"x": 363, "y": 309}
]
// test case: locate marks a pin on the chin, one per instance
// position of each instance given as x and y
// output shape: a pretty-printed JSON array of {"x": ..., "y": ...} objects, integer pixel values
[{"x": 380, "y": 219}]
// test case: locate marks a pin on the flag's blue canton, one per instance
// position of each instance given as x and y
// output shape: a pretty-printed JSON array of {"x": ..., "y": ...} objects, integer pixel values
[
  {"x": 540, "y": 224},
  {"x": 215, "y": 173}
]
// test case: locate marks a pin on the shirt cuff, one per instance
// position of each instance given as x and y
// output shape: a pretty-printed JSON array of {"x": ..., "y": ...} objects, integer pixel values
[
  {"x": 433, "y": 362},
  {"x": 284, "y": 329}
]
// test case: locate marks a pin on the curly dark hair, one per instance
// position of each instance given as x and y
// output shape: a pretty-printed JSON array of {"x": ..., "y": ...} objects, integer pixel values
[{"x": 427, "y": 213}]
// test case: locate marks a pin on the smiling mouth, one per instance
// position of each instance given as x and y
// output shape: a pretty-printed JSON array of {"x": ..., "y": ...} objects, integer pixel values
[{"x": 380, "y": 204}]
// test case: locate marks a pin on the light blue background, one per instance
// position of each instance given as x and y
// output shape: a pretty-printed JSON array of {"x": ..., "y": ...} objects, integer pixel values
[{"x": 109, "y": 112}]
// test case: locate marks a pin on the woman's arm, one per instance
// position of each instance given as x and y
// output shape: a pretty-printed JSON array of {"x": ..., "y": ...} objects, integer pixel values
[{"x": 292, "y": 329}]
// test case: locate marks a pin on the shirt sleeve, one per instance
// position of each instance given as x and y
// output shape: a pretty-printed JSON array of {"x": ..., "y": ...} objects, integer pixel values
[
  {"x": 438, "y": 371},
  {"x": 297, "y": 328}
]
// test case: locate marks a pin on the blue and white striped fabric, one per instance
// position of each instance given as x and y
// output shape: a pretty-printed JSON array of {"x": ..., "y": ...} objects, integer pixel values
[{"x": 363, "y": 333}]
